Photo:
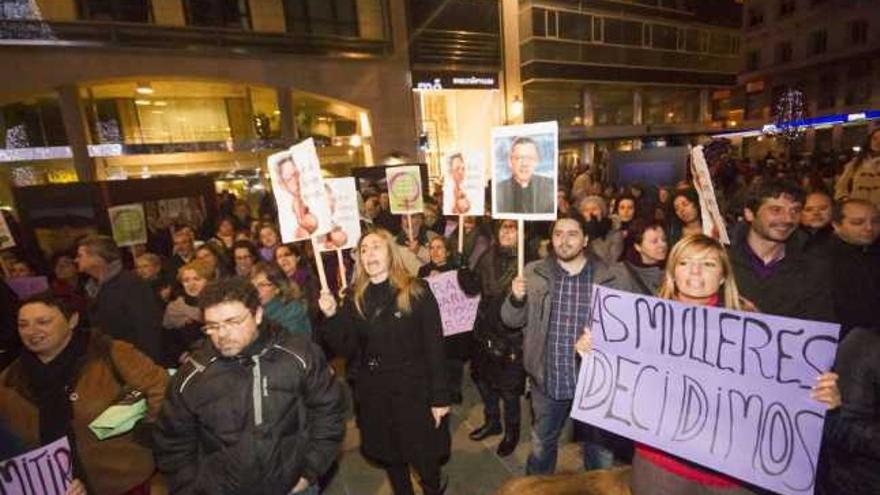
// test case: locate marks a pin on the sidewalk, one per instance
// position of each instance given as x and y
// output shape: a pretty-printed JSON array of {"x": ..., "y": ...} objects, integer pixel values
[{"x": 473, "y": 469}]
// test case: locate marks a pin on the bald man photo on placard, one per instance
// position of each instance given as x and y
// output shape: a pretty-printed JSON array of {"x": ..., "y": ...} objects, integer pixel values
[{"x": 525, "y": 191}]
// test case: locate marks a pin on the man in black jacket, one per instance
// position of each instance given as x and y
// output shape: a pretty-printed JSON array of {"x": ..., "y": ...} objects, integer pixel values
[
  {"x": 121, "y": 305},
  {"x": 771, "y": 268},
  {"x": 255, "y": 410}
]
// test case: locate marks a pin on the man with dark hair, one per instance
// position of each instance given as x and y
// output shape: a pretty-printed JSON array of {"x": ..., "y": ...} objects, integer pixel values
[
  {"x": 551, "y": 303},
  {"x": 245, "y": 255},
  {"x": 525, "y": 192},
  {"x": 184, "y": 249},
  {"x": 254, "y": 410},
  {"x": 855, "y": 261},
  {"x": 123, "y": 306},
  {"x": 771, "y": 268},
  {"x": 816, "y": 220}
]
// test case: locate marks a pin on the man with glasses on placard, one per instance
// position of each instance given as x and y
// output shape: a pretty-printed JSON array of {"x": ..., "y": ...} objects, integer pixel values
[{"x": 254, "y": 409}]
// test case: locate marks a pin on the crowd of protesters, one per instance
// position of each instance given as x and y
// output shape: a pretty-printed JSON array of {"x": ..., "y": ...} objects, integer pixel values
[{"x": 254, "y": 406}]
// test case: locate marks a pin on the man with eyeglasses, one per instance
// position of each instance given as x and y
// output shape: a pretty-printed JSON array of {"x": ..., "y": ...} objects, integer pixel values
[
  {"x": 525, "y": 191},
  {"x": 255, "y": 410}
]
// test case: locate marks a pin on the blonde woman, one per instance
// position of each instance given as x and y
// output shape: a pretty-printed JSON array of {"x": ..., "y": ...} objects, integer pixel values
[
  {"x": 699, "y": 272},
  {"x": 389, "y": 330},
  {"x": 182, "y": 321}
]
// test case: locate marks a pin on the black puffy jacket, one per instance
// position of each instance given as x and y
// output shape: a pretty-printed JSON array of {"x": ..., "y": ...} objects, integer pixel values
[{"x": 254, "y": 424}]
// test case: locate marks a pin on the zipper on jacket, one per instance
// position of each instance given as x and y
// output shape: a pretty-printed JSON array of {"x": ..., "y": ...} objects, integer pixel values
[{"x": 257, "y": 391}]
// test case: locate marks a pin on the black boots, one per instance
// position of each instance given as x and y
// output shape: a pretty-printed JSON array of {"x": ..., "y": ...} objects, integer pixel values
[
  {"x": 489, "y": 428},
  {"x": 509, "y": 442}
]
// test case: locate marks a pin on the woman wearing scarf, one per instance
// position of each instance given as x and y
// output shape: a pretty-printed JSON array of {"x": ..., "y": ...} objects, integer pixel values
[{"x": 65, "y": 377}]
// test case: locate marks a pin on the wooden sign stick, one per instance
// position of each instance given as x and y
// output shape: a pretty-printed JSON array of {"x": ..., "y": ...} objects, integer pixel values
[
  {"x": 319, "y": 264},
  {"x": 409, "y": 228},
  {"x": 461, "y": 234},
  {"x": 341, "y": 262},
  {"x": 520, "y": 247}
]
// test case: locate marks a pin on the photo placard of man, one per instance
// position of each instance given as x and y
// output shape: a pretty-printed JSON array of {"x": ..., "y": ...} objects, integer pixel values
[{"x": 524, "y": 172}]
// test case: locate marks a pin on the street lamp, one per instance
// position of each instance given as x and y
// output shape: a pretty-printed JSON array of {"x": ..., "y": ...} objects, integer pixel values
[{"x": 516, "y": 107}]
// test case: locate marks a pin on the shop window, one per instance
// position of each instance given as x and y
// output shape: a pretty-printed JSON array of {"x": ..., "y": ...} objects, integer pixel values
[
  {"x": 755, "y": 103},
  {"x": 231, "y": 14},
  {"x": 858, "y": 32},
  {"x": 753, "y": 60},
  {"x": 662, "y": 106},
  {"x": 858, "y": 92},
  {"x": 783, "y": 52},
  {"x": 827, "y": 91},
  {"x": 539, "y": 22},
  {"x": 562, "y": 105},
  {"x": 115, "y": 11},
  {"x": 322, "y": 17},
  {"x": 721, "y": 43},
  {"x": 817, "y": 43},
  {"x": 574, "y": 26},
  {"x": 622, "y": 32},
  {"x": 613, "y": 106},
  {"x": 32, "y": 124},
  {"x": 665, "y": 37},
  {"x": 694, "y": 40}
]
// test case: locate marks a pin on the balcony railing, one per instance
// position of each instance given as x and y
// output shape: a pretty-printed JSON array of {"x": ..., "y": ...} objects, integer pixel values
[
  {"x": 209, "y": 39},
  {"x": 440, "y": 47}
]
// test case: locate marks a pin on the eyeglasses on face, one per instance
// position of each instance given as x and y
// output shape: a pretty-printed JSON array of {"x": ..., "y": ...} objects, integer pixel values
[{"x": 234, "y": 322}]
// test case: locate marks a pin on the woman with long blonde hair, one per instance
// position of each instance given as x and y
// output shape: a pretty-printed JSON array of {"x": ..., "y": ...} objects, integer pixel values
[
  {"x": 389, "y": 330},
  {"x": 699, "y": 272}
]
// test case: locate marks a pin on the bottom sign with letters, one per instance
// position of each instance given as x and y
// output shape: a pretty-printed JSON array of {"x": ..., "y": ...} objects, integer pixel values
[
  {"x": 725, "y": 389},
  {"x": 44, "y": 471}
]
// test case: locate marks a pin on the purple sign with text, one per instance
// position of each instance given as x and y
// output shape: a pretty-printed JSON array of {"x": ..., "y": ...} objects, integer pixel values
[
  {"x": 458, "y": 311},
  {"x": 728, "y": 390},
  {"x": 47, "y": 470}
]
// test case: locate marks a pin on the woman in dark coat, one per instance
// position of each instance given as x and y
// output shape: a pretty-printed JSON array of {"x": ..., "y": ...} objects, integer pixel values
[
  {"x": 389, "y": 329},
  {"x": 497, "y": 363}
]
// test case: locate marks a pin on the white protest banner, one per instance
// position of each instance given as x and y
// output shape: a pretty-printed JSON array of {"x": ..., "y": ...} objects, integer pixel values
[
  {"x": 345, "y": 226},
  {"x": 299, "y": 192},
  {"x": 713, "y": 222},
  {"x": 405, "y": 189},
  {"x": 47, "y": 470},
  {"x": 6, "y": 238},
  {"x": 129, "y": 224},
  {"x": 525, "y": 170},
  {"x": 725, "y": 389},
  {"x": 458, "y": 311},
  {"x": 463, "y": 182}
]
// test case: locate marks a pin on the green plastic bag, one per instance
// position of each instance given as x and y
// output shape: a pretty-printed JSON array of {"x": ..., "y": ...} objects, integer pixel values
[{"x": 121, "y": 417}]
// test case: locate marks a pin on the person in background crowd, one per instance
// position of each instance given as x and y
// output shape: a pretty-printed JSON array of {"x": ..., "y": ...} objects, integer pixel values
[
  {"x": 698, "y": 272},
  {"x": 850, "y": 448},
  {"x": 552, "y": 318},
  {"x": 855, "y": 264},
  {"x": 371, "y": 207},
  {"x": 10, "y": 343},
  {"x": 861, "y": 176},
  {"x": 562, "y": 204},
  {"x": 21, "y": 269},
  {"x": 605, "y": 241},
  {"x": 225, "y": 235},
  {"x": 123, "y": 306},
  {"x": 246, "y": 256},
  {"x": 241, "y": 214},
  {"x": 389, "y": 329},
  {"x": 476, "y": 242},
  {"x": 685, "y": 219},
  {"x": 184, "y": 249},
  {"x": 61, "y": 360},
  {"x": 384, "y": 218},
  {"x": 182, "y": 322},
  {"x": 497, "y": 365},
  {"x": 269, "y": 240},
  {"x": 772, "y": 270},
  {"x": 647, "y": 258},
  {"x": 625, "y": 212},
  {"x": 67, "y": 284},
  {"x": 433, "y": 218},
  {"x": 149, "y": 268},
  {"x": 216, "y": 258},
  {"x": 816, "y": 220},
  {"x": 217, "y": 433},
  {"x": 415, "y": 251},
  {"x": 282, "y": 300},
  {"x": 457, "y": 347}
]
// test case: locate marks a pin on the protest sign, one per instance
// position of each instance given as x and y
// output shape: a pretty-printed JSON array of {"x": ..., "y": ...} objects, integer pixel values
[
  {"x": 47, "y": 470},
  {"x": 728, "y": 390},
  {"x": 129, "y": 224},
  {"x": 6, "y": 238},
  {"x": 463, "y": 182},
  {"x": 713, "y": 222},
  {"x": 25, "y": 287},
  {"x": 345, "y": 224},
  {"x": 525, "y": 171},
  {"x": 299, "y": 192},
  {"x": 405, "y": 189},
  {"x": 458, "y": 311}
]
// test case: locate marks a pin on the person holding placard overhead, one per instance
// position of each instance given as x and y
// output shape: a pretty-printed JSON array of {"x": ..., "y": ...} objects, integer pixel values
[
  {"x": 551, "y": 303},
  {"x": 698, "y": 272},
  {"x": 525, "y": 191},
  {"x": 389, "y": 329}
]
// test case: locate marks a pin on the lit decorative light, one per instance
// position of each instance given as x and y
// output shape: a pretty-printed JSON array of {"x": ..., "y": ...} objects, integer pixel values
[
  {"x": 789, "y": 114},
  {"x": 516, "y": 107},
  {"x": 142, "y": 102},
  {"x": 160, "y": 103},
  {"x": 355, "y": 141},
  {"x": 144, "y": 89}
]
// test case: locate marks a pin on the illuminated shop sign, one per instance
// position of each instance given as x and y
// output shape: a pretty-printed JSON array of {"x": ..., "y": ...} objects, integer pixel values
[{"x": 434, "y": 81}]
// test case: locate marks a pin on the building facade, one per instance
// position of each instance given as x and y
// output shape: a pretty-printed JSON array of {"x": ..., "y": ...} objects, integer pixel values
[
  {"x": 111, "y": 89},
  {"x": 827, "y": 49}
]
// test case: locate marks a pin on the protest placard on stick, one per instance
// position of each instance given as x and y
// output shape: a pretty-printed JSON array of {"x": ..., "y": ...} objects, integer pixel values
[
  {"x": 458, "y": 311},
  {"x": 47, "y": 470},
  {"x": 713, "y": 222},
  {"x": 725, "y": 389},
  {"x": 129, "y": 224}
]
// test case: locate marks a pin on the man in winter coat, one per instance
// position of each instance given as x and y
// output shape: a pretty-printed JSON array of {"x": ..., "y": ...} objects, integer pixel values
[{"x": 255, "y": 410}]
